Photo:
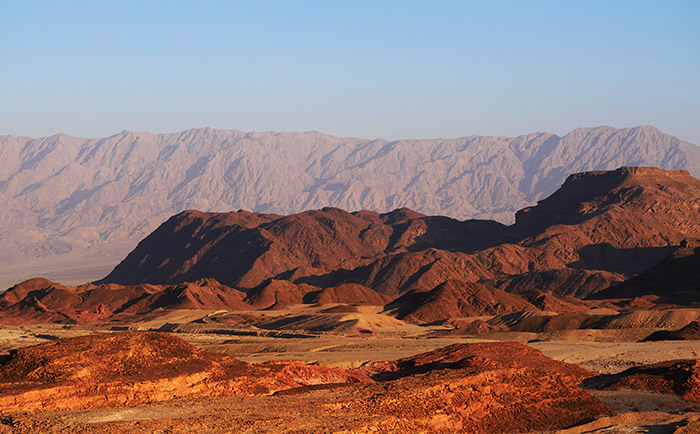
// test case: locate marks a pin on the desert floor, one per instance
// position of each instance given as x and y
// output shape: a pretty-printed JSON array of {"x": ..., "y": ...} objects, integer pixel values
[{"x": 600, "y": 351}]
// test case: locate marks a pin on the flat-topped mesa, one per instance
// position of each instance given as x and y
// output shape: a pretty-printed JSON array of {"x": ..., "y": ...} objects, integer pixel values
[
  {"x": 588, "y": 192},
  {"x": 629, "y": 170},
  {"x": 633, "y": 174}
]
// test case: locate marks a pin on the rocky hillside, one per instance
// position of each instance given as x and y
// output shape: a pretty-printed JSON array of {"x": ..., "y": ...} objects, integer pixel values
[
  {"x": 73, "y": 207},
  {"x": 588, "y": 239},
  {"x": 676, "y": 278},
  {"x": 598, "y": 229},
  {"x": 480, "y": 388}
]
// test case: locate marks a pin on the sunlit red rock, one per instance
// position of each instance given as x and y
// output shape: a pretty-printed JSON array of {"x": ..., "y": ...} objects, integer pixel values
[{"x": 476, "y": 388}]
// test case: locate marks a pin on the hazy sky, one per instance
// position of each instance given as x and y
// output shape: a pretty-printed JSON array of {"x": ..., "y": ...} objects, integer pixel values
[{"x": 391, "y": 69}]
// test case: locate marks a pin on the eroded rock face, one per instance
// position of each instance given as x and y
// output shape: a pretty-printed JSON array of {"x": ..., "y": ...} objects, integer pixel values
[
  {"x": 681, "y": 377},
  {"x": 474, "y": 388},
  {"x": 691, "y": 332},
  {"x": 132, "y": 368}
]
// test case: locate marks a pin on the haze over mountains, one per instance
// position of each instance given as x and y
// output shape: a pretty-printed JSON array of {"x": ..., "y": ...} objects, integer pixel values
[
  {"x": 590, "y": 239},
  {"x": 87, "y": 202}
]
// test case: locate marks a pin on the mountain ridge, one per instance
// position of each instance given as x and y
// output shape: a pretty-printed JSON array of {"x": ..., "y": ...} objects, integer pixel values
[
  {"x": 599, "y": 229},
  {"x": 79, "y": 199}
]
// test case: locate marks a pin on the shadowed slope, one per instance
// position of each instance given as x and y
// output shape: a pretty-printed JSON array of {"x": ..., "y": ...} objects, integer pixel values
[
  {"x": 41, "y": 300},
  {"x": 691, "y": 332},
  {"x": 193, "y": 244},
  {"x": 456, "y": 299},
  {"x": 676, "y": 279}
]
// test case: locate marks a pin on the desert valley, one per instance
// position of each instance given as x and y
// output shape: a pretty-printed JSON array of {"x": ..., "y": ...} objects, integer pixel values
[
  {"x": 474, "y": 217},
  {"x": 577, "y": 313}
]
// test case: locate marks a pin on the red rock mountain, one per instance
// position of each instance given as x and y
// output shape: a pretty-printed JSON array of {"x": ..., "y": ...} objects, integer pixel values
[
  {"x": 72, "y": 207},
  {"x": 193, "y": 244},
  {"x": 598, "y": 230},
  {"x": 40, "y": 300}
]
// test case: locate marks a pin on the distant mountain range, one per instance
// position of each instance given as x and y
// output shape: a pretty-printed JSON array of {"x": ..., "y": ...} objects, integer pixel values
[
  {"x": 606, "y": 235},
  {"x": 73, "y": 207}
]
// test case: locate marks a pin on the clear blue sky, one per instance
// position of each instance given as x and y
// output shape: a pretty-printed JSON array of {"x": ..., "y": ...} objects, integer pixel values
[{"x": 391, "y": 69}]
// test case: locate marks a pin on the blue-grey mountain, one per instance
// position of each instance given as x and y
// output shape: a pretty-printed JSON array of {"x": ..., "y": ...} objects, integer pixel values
[{"x": 73, "y": 207}]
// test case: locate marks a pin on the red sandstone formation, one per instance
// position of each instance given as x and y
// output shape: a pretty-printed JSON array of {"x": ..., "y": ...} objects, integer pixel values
[
  {"x": 681, "y": 377},
  {"x": 456, "y": 299},
  {"x": 477, "y": 388},
  {"x": 40, "y": 300},
  {"x": 129, "y": 368}
]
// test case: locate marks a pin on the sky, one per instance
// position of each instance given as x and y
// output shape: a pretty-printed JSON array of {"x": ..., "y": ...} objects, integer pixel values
[{"x": 370, "y": 69}]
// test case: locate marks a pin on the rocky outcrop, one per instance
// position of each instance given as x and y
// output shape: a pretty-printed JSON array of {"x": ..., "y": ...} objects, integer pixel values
[
  {"x": 278, "y": 291},
  {"x": 42, "y": 301},
  {"x": 128, "y": 368},
  {"x": 478, "y": 388},
  {"x": 456, "y": 299},
  {"x": 680, "y": 377},
  {"x": 691, "y": 332}
]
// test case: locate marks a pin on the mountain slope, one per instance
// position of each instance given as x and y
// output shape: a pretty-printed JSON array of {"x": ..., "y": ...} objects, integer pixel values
[
  {"x": 597, "y": 229},
  {"x": 193, "y": 244},
  {"x": 673, "y": 280},
  {"x": 40, "y": 300},
  {"x": 456, "y": 299},
  {"x": 85, "y": 199}
]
